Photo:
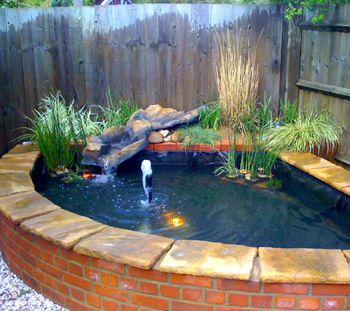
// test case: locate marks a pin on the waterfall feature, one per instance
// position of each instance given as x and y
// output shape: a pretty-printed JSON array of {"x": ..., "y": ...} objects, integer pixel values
[{"x": 146, "y": 169}]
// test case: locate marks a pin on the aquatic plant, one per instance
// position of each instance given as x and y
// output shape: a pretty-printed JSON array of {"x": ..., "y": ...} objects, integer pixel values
[
  {"x": 237, "y": 76},
  {"x": 194, "y": 135},
  {"x": 275, "y": 184},
  {"x": 118, "y": 111},
  {"x": 229, "y": 160},
  {"x": 307, "y": 132},
  {"x": 288, "y": 112},
  {"x": 210, "y": 118}
]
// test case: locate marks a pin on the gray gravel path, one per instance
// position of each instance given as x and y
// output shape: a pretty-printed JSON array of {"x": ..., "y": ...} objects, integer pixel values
[{"x": 15, "y": 295}]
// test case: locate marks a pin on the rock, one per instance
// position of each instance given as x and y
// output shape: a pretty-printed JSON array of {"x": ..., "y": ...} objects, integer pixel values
[
  {"x": 155, "y": 138},
  {"x": 164, "y": 133},
  {"x": 120, "y": 143},
  {"x": 175, "y": 138},
  {"x": 168, "y": 138}
]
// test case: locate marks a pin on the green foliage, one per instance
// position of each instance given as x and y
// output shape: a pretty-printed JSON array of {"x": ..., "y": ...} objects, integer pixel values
[
  {"x": 210, "y": 118},
  {"x": 229, "y": 161},
  {"x": 275, "y": 184},
  {"x": 306, "y": 133},
  {"x": 288, "y": 112},
  {"x": 118, "y": 111},
  {"x": 72, "y": 178},
  {"x": 58, "y": 130},
  {"x": 195, "y": 135},
  {"x": 58, "y": 3}
]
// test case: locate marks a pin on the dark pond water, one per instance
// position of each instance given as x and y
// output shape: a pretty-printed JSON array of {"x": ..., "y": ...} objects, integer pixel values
[{"x": 192, "y": 203}]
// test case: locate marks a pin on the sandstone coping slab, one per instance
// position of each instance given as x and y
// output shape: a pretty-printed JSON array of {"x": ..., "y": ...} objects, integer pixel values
[
  {"x": 305, "y": 161},
  {"x": 16, "y": 164},
  {"x": 62, "y": 227},
  {"x": 282, "y": 265},
  {"x": 337, "y": 177},
  {"x": 209, "y": 259},
  {"x": 25, "y": 205},
  {"x": 11, "y": 183},
  {"x": 134, "y": 248},
  {"x": 347, "y": 254},
  {"x": 24, "y": 149}
]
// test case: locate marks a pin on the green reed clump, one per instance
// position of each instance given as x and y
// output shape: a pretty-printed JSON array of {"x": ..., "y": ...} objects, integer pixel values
[
  {"x": 229, "y": 161},
  {"x": 195, "y": 135},
  {"x": 210, "y": 118},
  {"x": 118, "y": 111}
]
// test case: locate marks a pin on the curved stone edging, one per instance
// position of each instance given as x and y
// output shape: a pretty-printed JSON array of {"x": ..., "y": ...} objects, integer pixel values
[{"x": 209, "y": 273}]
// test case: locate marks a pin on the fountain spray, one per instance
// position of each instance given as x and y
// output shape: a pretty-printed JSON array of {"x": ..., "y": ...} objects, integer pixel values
[{"x": 146, "y": 169}]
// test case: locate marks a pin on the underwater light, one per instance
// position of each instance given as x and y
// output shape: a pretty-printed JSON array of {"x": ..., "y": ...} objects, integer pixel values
[
  {"x": 174, "y": 219},
  {"x": 87, "y": 175}
]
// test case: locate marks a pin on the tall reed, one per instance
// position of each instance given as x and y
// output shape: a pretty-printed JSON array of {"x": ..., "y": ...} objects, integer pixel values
[{"x": 237, "y": 76}]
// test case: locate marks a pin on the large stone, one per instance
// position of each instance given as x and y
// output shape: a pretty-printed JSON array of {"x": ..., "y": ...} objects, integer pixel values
[
  {"x": 22, "y": 206},
  {"x": 305, "y": 161},
  {"x": 11, "y": 183},
  {"x": 303, "y": 266},
  {"x": 16, "y": 164},
  {"x": 209, "y": 259},
  {"x": 115, "y": 143},
  {"x": 155, "y": 138},
  {"x": 124, "y": 246},
  {"x": 62, "y": 227},
  {"x": 24, "y": 149}
]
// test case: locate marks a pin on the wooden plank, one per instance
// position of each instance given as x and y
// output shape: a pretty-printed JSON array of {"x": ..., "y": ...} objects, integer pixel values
[
  {"x": 326, "y": 89},
  {"x": 328, "y": 28}
]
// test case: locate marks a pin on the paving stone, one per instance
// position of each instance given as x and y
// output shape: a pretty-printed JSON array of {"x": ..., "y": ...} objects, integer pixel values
[
  {"x": 24, "y": 149},
  {"x": 209, "y": 259},
  {"x": 305, "y": 161},
  {"x": 62, "y": 227},
  {"x": 347, "y": 254},
  {"x": 16, "y": 164},
  {"x": 125, "y": 246},
  {"x": 11, "y": 183},
  {"x": 25, "y": 205},
  {"x": 336, "y": 177},
  {"x": 303, "y": 266},
  {"x": 346, "y": 190}
]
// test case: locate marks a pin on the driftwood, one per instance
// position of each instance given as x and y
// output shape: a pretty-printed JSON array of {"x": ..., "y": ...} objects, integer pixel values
[{"x": 118, "y": 144}]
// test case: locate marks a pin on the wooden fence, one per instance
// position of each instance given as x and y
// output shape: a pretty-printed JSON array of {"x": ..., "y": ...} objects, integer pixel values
[
  {"x": 155, "y": 53},
  {"x": 325, "y": 70}
]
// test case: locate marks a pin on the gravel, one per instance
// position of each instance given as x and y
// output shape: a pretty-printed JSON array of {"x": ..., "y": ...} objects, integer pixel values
[{"x": 16, "y": 295}]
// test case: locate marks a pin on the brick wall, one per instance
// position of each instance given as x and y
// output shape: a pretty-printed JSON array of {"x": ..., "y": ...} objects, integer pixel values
[{"x": 84, "y": 283}]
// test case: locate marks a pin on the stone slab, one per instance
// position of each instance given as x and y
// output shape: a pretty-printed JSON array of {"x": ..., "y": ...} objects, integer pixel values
[
  {"x": 347, "y": 254},
  {"x": 305, "y": 161},
  {"x": 346, "y": 190},
  {"x": 303, "y": 266},
  {"x": 22, "y": 206},
  {"x": 11, "y": 183},
  {"x": 125, "y": 246},
  {"x": 24, "y": 149},
  {"x": 16, "y": 164},
  {"x": 209, "y": 259},
  {"x": 336, "y": 177},
  {"x": 62, "y": 227}
]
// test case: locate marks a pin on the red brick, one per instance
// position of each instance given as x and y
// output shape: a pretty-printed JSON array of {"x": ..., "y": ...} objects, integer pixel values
[
  {"x": 169, "y": 291},
  {"x": 61, "y": 263},
  {"x": 184, "y": 306},
  {"x": 330, "y": 289},
  {"x": 28, "y": 258},
  {"x": 48, "y": 246},
  {"x": 309, "y": 303},
  {"x": 150, "y": 147},
  {"x": 77, "y": 281},
  {"x": 147, "y": 274},
  {"x": 62, "y": 288},
  {"x": 127, "y": 284},
  {"x": 184, "y": 279},
  {"x": 166, "y": 146},
  {"x": 285, "y": 302},
  {"x": 77, "y": 294},
  {"x": 151, "y": 302},
  {"x": 214, "y": 297},
  {"x": 111, "y": 292},
  {"x": 127, "y": 308},
  {"x": 50, "y": 269},
  {"x": 261, "y": 301},
  {"x": 107, "y": 265},
  {"x": 298, "y": 289},
  {"x": 35, "y": 251},
  {"x": 93, "y": 275},
  {"x": 148, "y": 288},
  {"x": 73, "y": 305},
  {"x": 50, "y": 281},
  {"x": 93, "y": 300},
  {"x": 333, "y": 303},
  {"x": 240, "y": 300},
  {"x": 39, "y": 275},
  {"x": 193, "y": 294},
  {"x": 109, "y": 279},
  {"x": 225, "y": 145},
  {"x": 237, "y": 285},
  {"x": 72, "y": 255},
  {"x": 56, "y": 297},
  {"x": 204, "y": 147},
  {"x": 47, "y": 257},
  {"x": 75, "y": 269},
  {"x": 28, "y": 279},
  {"x": 109, "y": 305}
]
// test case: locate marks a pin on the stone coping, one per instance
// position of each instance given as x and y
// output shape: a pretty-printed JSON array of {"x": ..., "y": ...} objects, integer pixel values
[{"x": 22, "y": 205}]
